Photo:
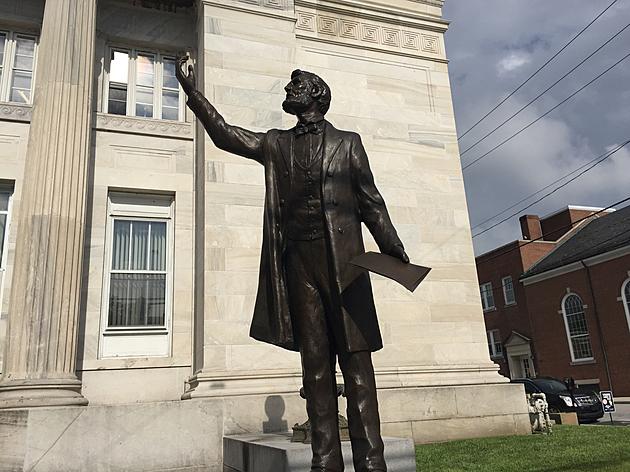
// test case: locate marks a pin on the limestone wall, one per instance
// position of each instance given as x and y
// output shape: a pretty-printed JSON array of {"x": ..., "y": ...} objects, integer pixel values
[{"x": 386, "y": 65}]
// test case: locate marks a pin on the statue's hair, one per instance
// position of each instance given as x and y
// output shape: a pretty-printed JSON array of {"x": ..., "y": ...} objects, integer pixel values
[{"x": 326, "y": 95}]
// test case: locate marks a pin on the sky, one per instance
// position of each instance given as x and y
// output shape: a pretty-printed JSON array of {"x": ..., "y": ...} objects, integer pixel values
[{"x": 493, "y": 46}]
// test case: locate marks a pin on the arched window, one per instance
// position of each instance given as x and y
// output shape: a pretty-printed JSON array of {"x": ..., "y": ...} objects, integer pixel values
[
  {"x": 577, "y": 329},
  {"x": 625, "y": 295}
]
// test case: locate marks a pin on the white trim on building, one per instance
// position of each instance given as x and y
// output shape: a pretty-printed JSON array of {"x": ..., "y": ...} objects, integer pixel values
[
  {"x": 509, "y": 296},
  {"x": 18, "y": 58},
  {"x": 577, "y": 308},
  {"x": 487, "y": 296},
  {"x": 6, "y": 203},
  {"x": 132, "y": 86},
  {"x": 625, "y": 297},
  {"x": 129, "y": 339}
]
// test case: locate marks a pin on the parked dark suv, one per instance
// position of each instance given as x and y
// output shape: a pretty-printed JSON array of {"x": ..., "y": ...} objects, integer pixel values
[{"x": 586, "y": 404}]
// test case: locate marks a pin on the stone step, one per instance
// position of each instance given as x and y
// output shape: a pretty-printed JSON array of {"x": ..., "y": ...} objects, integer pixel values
[{"x": 276, "y": 453}]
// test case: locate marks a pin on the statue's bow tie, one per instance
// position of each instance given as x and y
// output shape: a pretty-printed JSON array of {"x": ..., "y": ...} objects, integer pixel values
[{"x": 315, "y": 128}]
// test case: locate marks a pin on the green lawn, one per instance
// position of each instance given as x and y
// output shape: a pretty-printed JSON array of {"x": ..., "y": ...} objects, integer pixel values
[{"x": 569, "y": 448}]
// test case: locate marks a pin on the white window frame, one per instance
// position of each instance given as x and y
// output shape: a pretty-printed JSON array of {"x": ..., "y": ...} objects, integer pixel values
[
  {"x": 4, "y": 257},
  {"x": 158, "y": 86},
  {"x": 568, "y": 332},
  {"x": 505, "y": 292},
  {"x": 9, "y": 60},
  {"x": 626, "y": 300},
  {"x": 142, "y": 341},
  {"x": 483, "y": 293},
  {"x": 493, "y": 341}
]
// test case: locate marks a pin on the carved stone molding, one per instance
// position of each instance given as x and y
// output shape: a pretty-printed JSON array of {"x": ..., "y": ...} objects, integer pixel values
[
  {"x": 275, "y": 4},
  {"x": 15, "y": 112},
  {"x": 358, "y": 32},
  {"x": 128, "y": 124}
]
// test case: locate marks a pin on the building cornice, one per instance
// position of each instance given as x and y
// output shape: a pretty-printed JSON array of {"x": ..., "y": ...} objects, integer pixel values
[{"x": 377, "y": 12}]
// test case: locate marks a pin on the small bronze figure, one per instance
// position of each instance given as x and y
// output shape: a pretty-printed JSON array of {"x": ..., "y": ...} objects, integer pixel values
[{"x": 319, "y": 189}]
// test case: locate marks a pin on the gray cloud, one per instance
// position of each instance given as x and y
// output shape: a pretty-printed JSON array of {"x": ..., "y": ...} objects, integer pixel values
[{"x": 493, "y": 45}]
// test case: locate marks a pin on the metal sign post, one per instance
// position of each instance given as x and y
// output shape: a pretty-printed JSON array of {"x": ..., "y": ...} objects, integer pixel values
[{"x": 608, "y": 403}]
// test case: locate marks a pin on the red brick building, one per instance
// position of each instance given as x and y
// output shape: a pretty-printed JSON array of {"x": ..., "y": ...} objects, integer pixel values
[{"x": 569, "y": 315}]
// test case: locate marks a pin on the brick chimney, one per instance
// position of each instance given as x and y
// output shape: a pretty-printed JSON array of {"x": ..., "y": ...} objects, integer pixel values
[{"x": 530, "y": 226}]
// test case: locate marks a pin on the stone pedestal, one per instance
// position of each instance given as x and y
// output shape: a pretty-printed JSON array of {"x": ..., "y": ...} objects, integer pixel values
[
  {"x": 39, "y": 365},
  {"x": 276, "y": 453}
]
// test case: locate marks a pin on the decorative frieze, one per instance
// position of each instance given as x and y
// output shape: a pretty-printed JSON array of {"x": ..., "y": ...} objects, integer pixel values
[
  {"x": 15, "y": 112},
  {"x": 128, "y": 124},
  {"x": 344, "y": 29}
]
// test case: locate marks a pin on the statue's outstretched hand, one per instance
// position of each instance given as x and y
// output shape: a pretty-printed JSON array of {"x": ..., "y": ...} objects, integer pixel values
[{"x": 187, "y": 81}]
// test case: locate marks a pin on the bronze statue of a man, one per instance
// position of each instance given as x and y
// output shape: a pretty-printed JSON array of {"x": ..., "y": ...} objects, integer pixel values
[{"x": 319, "y": 188}]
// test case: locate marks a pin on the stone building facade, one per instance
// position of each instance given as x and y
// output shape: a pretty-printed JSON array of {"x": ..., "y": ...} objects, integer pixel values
[{"x": 132, "y": 245}]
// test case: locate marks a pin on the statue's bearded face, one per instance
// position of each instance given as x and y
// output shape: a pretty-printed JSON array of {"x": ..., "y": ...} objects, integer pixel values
[{"x": 301, "y": 94}]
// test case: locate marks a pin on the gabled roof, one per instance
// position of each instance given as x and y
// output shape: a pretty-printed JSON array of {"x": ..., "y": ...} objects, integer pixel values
[
  {"x": 602, "y": 234},
  {"x": 517, "y": 338}
]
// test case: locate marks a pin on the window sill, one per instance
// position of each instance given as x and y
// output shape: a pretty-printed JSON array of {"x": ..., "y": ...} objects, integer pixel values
[
  {"x": 144, "y": 126},
  {"x": 135, "y": 331},
  {"x": 488, "y": 310},
  {"x": 583, "y": 362},
  {"x": 509, "y": 305},
  {"x": 15, "y": 112}
]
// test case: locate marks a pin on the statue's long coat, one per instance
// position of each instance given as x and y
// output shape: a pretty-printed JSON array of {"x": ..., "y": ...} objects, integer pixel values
[{"x": 349, "y": 198}]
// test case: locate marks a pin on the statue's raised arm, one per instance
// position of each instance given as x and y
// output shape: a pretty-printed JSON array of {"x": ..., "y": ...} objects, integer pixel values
[{"x": 229, "y": 138}]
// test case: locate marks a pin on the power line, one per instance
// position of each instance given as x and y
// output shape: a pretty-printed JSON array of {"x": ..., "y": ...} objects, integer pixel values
[
  {"x": 539, "y": 69},
  {"x": 567, "y": 227},
  {"x": 601, "y": 159},
  {"x": 537, "y": 192},
  {"x": 546, "y": 113},
  {"x": 483, "y": 138}
]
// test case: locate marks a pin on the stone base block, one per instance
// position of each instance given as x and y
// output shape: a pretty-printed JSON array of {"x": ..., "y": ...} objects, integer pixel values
[
  {"x": 564, "y": 418},
  {"x": 187, "y": 436},
  {"x": 276, "y": 453}
]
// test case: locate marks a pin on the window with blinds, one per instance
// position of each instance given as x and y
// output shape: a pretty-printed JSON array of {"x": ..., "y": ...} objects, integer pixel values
[{"x": 138, "y": 279}]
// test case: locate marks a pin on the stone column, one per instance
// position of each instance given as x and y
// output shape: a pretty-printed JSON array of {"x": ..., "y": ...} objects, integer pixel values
[{"x": 40, "y": 359}]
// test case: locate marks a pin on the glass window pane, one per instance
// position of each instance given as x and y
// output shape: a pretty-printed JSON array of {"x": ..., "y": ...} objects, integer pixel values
[
  {"x": 120, "y": 249},
  {"x": 145, "y": 70},
  {"x": 144, "y": 96},
  {"x": 119, "y": 67},
  {"x": 117, "y": 103},
  {"x": 170, "y": 99},
  {"x": 158, "y": 247},
  {"x": 170, "y": 114},
  {"x": 23, "y": 62},
  {"x": 22, "y": 80},
  {"x": 21, "y": 87},
  {"x": 145, "y": 111},
  {"x": 24, "y": 53},
  {"x": 170, "y": 80},
  {"x": 139, "y": 245},
  {"x": 4, "y": 201},
  {"x": 3, "y": 228},
  {"x": 3, "y": 44},
  {"x": 137, "y": 300},
  {"x": 25, "y": 46}
]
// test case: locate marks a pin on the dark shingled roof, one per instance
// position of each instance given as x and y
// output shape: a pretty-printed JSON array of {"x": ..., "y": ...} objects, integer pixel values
[{"x": 600, "y": 235}]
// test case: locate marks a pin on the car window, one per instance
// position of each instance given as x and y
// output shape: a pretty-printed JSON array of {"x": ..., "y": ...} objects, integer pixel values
[
  {"x": 550, "y": 385},
  {"x": 530, "y": 388}
]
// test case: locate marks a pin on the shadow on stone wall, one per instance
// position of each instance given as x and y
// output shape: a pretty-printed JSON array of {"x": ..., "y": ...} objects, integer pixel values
[{"x": 274, "y": 409}]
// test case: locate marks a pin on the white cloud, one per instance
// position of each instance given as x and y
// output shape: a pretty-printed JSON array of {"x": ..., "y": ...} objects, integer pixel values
[
  {"x": 491, "y": 55},
  {"x": 512, "y": 62}
]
